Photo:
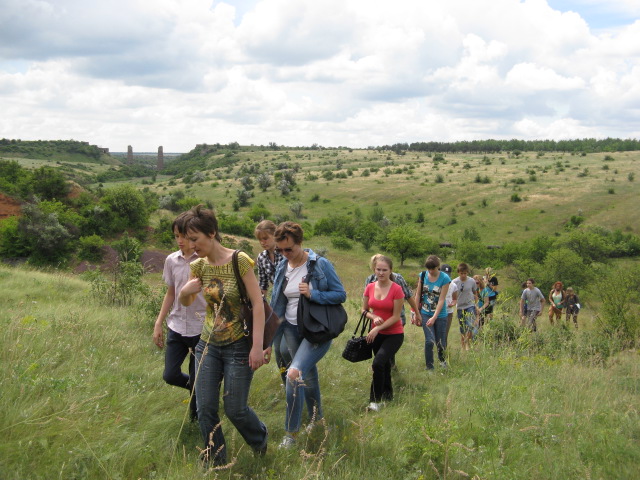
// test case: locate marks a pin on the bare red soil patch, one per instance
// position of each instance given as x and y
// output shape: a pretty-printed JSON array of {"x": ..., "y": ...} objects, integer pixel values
[{"x": 9, "y": 207}]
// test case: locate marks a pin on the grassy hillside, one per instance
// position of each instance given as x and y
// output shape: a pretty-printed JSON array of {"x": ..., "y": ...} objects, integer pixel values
[
  {"x": 460, "y": 192},
  {"x": 53, "y": 150},
  {"x": 83, "y": 397}
]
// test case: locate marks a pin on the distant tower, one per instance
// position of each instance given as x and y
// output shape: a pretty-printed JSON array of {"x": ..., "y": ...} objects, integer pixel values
[
  {"x": 130, "y": 155},
  {"x": 160, "y": 158}
]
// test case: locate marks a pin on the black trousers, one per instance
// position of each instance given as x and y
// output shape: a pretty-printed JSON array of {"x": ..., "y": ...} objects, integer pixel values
[{"x": 384, "y": 348}]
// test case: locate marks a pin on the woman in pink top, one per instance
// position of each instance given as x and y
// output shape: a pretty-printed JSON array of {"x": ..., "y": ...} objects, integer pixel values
[{"x": 383, "y": 301}]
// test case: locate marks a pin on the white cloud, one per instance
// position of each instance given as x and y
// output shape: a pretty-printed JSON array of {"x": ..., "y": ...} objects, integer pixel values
[{"x": 335, "y": 72}]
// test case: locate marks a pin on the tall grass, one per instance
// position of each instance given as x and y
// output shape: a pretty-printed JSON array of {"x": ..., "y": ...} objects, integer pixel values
[{"x": 83, "y": 397}]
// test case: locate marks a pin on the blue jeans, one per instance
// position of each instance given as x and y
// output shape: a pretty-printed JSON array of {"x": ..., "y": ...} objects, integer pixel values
[
  {"x": 176, "y": 350},
  {"x": 305, "y": 356},
  {"x": 231, "y": 363},
  {"x": 279, "y": 347},
  {"x": 436, "y": 334}
]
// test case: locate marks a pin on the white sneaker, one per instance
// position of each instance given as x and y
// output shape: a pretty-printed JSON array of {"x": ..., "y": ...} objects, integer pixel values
[
  {"x": 444, "y": 364},
  {"x": 287, "y": 442},
  {"x": 374, "y": 407}
]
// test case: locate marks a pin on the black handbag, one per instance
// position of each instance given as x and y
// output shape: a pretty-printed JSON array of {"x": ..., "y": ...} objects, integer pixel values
[
  {"x": 319, "y": 322},
  {"x": 357, "y": 349},
  {"x": 271, "y": 320}
]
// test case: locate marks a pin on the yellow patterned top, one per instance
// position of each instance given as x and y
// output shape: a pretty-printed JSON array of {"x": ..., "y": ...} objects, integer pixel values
[{"x": 222, "y": 325}]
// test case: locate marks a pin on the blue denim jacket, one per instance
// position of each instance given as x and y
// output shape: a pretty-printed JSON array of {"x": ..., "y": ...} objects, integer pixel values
[{"x": 327, "y": 287}]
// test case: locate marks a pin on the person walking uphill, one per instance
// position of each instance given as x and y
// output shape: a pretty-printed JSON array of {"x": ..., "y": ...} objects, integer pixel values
[
  {"x": 431, "y": 297},
  {"x": 302, "y": 272},
  {"x": 385, "y": 298},
  {"x": 532, "y": 300},
  {"x": 224, "y": 353},
  {"x": 184, "y": 324}
]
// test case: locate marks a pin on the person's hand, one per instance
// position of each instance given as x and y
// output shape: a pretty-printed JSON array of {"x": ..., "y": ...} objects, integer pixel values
[
  {"x": 158, "y": 335},
  {"x": 416, "y": 319},
  {"x": 377, "y": 321},
  {"x": 372, "y": 334},
  {"x": 267, "y": 355},
  {"x": 256, "y": 358},
  {"x": 431, "y": 321},
  {"x": 192, "y": 286},
  {"x": 304, "y": 289}
]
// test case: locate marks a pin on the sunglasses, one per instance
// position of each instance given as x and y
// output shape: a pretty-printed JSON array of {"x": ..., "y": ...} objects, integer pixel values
[{"x": 285, "y": 250}]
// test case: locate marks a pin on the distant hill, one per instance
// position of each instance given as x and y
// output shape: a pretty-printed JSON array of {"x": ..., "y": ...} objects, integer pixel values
[{"x": 54, "y": 150}]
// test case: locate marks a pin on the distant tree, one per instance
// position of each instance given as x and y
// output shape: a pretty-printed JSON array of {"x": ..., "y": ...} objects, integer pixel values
[
  {"x": 285, "y": 187},
  {"x": 405, "y": 241},
  {"x": 296, "y": 209},
  {"x": 127, "y": 206},
  {"x": 264, "y": 181},
  {"x": 243, "y": 196},
  {"x": 247, "y": 183},
  {"x": 49, "y": 184},
  {"x": 367, "y": 233},
  {"x": 48, "y": 240}
]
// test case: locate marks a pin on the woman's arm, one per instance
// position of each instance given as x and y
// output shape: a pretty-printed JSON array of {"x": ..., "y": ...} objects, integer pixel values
[
  {"x": 441, "y": 299},
  {"x": 190, "y": 290},
  {"x": 380, "y": 324},
  {"x": 256, "y": 356},
  {"x": 335, "y": 292}
]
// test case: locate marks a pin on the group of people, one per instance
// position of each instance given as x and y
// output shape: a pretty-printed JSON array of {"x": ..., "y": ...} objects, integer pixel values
[
  {"x": 532, "y": 302},
  {"x": 202, "y": 311}
]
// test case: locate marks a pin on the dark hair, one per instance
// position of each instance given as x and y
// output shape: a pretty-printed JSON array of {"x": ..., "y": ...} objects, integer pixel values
[
  {"x": 291, "y": 230},
  {"x": 531, "y": 280},
  {"x": 178, "y": 223},
  {"x": 200, "y": 219},
  {"x": 463, "y": 267},
  {"x": 432, "y": 261},
  {"x": 265, "y": 226}
]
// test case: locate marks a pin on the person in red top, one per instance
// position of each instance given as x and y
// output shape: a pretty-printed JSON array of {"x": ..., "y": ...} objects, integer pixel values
[{"x": 383, "y": 301}]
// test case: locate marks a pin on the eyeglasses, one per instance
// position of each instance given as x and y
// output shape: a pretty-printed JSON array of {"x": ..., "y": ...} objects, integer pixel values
[{"x": 285, "y": 250}]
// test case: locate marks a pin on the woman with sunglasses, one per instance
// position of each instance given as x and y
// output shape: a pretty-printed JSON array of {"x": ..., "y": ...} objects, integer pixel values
[{"x": 302, "y": 272}]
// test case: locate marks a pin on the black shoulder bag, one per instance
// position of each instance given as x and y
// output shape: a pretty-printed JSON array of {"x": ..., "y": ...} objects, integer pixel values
[
  {"x": 317, "y": 322},
  {"x": 357, "y": 349}
]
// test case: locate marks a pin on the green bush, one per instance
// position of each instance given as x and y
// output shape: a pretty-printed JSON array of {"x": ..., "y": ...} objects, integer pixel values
[
  {"x": 91, "y": 248},
  {"x": 120, "y": 286},
  {"x": 11, "y": 242},
  {"x": 129, "y": 249},
  {"x": 341, "y": 242}
]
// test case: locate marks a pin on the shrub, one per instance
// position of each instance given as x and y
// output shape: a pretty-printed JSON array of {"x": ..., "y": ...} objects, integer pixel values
[
  {"x": 619, "y": 291},
  {"x": 515, "y": 198},
  {"x": 129, "y": 249},
  {"x": 91, "y": 248},
  {"x": 11, "y": 242},
  {"x": 119, "y": 286},
  {"x": 127, "y": 206},
  {"x": 341, "y": 243}
]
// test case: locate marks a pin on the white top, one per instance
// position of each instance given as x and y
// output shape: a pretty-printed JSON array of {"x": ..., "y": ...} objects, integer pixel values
[
  {"x": 293, "y": 278},
  {"x": 187, "y": 321},
  {"x": 453, "y": 287}
]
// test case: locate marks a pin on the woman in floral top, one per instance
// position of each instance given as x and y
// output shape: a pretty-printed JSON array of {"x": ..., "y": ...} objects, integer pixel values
[{"x": 224, "y": 352}]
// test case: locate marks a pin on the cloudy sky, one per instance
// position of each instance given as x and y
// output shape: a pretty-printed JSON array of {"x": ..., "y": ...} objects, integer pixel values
[{"x": 333, "y": 72}]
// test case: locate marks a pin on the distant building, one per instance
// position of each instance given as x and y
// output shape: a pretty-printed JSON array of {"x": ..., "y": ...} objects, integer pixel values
[{"x": 130, "y": 155}]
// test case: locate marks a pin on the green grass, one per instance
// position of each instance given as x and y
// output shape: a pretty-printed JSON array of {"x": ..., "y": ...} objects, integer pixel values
[
  {"x": 83, "y": 397},
  {"x": 559, "y": 195}
]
